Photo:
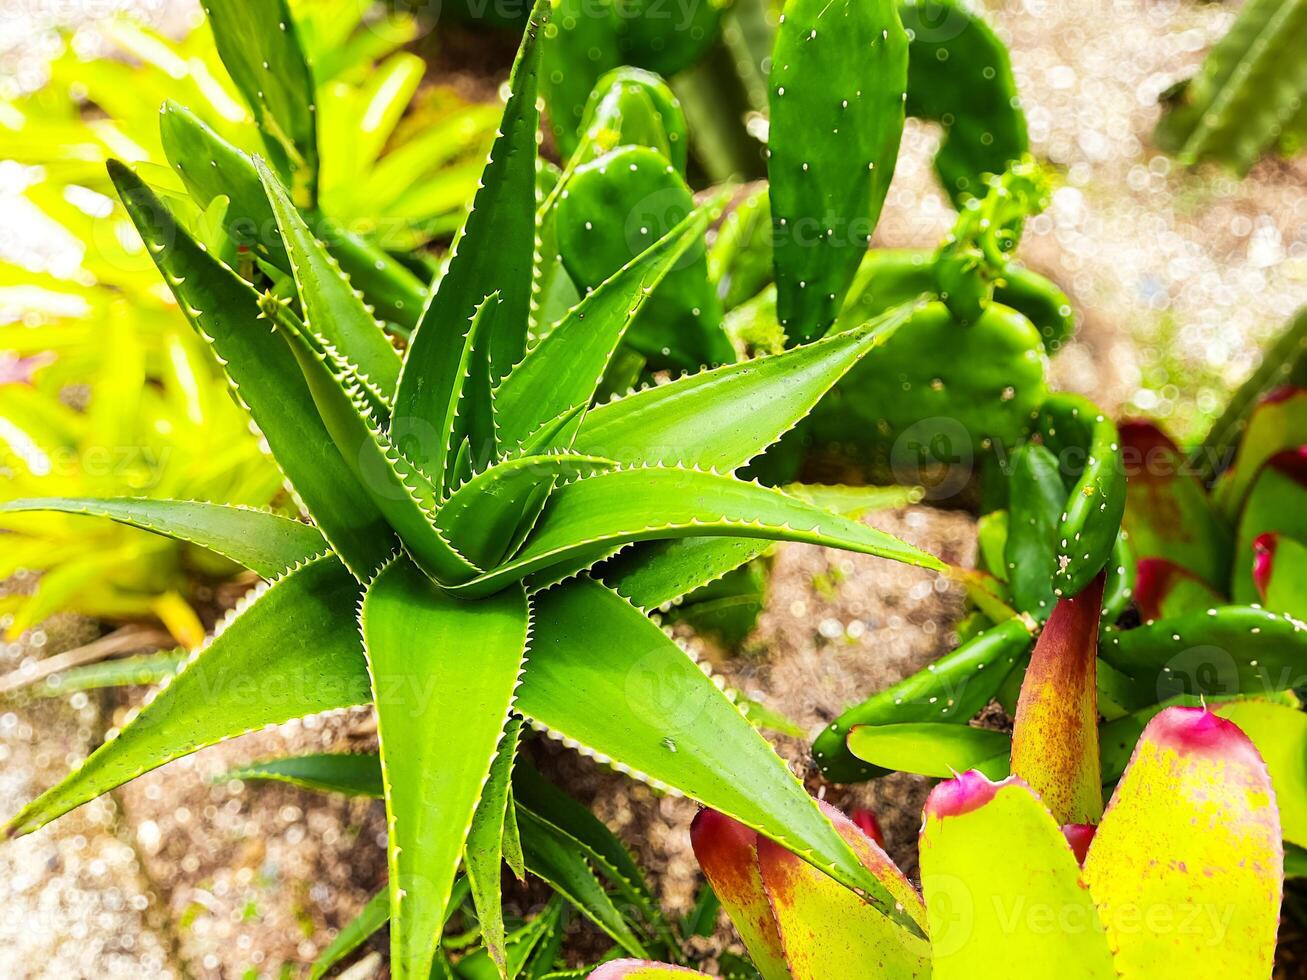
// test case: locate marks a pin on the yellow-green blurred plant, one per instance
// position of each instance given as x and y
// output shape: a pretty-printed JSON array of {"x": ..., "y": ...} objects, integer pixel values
[{"x": 104, "y": 389}]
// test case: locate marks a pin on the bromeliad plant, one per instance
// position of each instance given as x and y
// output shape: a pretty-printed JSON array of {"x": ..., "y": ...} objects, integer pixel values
[
  {"x": 467, "y": 500},
  {"x": 1180, "y": 875},
  {"x": 1201, "y": 597}
]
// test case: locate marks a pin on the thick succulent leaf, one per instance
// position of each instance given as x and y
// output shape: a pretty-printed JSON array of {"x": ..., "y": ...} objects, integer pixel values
[
  {"x": 640, "y": 970},
  {"x": 494, "y": 252},
  {"x": 265, "y": 375},
  {"x": 332, "y": 308},
  {"x": 483, "y": 855},
  {"x": 614, "y": 507},
  {"x": 839, "y": 76},
  {"x": 606, "y": 678},
  {"x": 263, "y": 542},
  {"x": 727, "y": 852},
  {"x": 960, "y": 76},
  {"x": 659, "y": 572},
  {"x": 1167, "y": 511},
  {"x": 564, "y": 370},
  {"x": 1088, "y": 448},
  {"x": 721, "y": 419},
  {"x": 374, "y": 915},
  {"x": 468, "y": 429},
  {"x": 1249, "y": 89},
  {"x": 952, "y": 689},
  {"x": 1219, "y": 651},
  {"x": 1002, "y": 886},
  {"x": 1055, "y": 735},
  {"x": 1036, "y": 498},
  {"x": 613, "y": 209},
  {"x": 826, "y": 930},
  {"x": 482, "y": 517},
  {"x": 433, "y": 658},
  {"x": 356, "y": 774},
  {"x": 260, "y": 48},
  {"x": 932, "y": 748},
  {"x": 1191, "y": 838},
  {"x": 554, "y": 856},
  {"x": 289, "y": 650}
]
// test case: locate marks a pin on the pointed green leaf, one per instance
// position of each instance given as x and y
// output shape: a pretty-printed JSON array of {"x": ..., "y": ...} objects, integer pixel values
[
  {"x": 355, "y": 933},
  {"x": 839, "y": 77},
  {"x": 614, "y": 507},
  {"x": 1037, "y": 497},
  {"x": 482, "y": 518},
  {"x": 932, "y": 748},
  {"x": 557, "y": 859},
  {"x": 1055, "y": 735},
  {"x": 1272, "y": 511},
  {"x": 260, "y": 48},
  {"x": 484, "y": 852},
  {"x": 469, "y": 418},
  {"x": 433, "y": 658},
  {"x": 494, "y": 252},
  {"x": 604, "y": 676},
  {"x": 1003, "y": 888},
  {"x": 266, "y": 377},
  {"x": 351, "y": 774},
  {"x": 211, "y": 167},
  {"x": 289, "y": 650},
  {"x": 1192, "y": 837},
  {"x": 721, "y": 419},
  {"x": 263, "y": 542},
  {"x": 565, "y": 369},
  {"x": 399, "y": 490},
  {"x": 332, "y": 309}
]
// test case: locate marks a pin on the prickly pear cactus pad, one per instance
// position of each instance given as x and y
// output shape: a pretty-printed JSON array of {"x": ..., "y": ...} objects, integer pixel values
[{"x": 838, "y": 81}]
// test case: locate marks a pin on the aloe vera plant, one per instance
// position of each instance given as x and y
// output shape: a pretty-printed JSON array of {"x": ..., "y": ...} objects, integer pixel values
[
  {"x": 1033, "y": 871},
  {"x": 464, "y": 498}
]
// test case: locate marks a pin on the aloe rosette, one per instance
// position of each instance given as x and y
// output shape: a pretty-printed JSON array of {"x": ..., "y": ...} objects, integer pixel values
[
  {"x": 464, "y": 497},
  {"x": 1181, "y": 873}
]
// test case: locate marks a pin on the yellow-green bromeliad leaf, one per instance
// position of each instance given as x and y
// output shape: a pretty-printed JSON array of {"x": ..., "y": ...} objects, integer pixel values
[
  {"x": 1003, "y": 889},
  {"x": 1186, "y": 869}
]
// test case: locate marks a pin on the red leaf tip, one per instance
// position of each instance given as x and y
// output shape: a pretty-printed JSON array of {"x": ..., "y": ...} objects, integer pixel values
[
  {"x": 1079, "y": 836},
  {"x": 1196, "y": 731},
  {"x": 866, "y": 821},
  {"x": 1264, "y": 561},
  {"x": 724, "y": 847},
  {"x": 963, "y": 793}
]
